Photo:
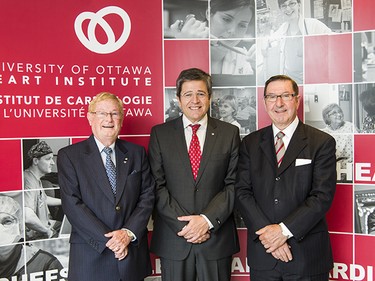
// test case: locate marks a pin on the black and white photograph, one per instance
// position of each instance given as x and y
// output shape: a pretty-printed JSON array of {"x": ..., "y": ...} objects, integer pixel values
[
  {"x": 364, "y": 203},
  {"x": 333, "y": 16},
  {"x": 232, "y": 19},
  {"x": 11, "y": 218},
  {"x": 364, "y": 56},
  {"x": 364, "y": 107},
  {"x": 233, "y": 62},
  {"x": 280, "y": 55},
  {"x": 232, "y": 43},
  {"x": 42, "y": 203},
  {"x": 236, "y": 106},
  {"x": 184, "y": 19},
  {"x": 281, "y": 18},
  {"x": 281, "y": 25},
  {"x": 280, "y": 42},
  {"x": 329, "y": 108},
  {"x": 46, "y": 260},
  {"x": 172, "y": 109}
]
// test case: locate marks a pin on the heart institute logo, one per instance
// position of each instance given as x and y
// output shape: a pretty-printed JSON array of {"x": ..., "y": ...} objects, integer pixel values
[{"x": 90, "y": 41}]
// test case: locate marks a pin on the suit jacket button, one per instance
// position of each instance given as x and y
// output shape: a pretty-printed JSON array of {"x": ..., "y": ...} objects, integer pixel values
[
  {"x": 118, "y": 208},
  {"x": 277, "y": 179},
  {"x": 276, "y": 201}
]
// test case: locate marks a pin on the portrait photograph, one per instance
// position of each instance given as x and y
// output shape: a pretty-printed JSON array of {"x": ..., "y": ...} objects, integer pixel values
[
  {"x": 42, "y": 258},
  {"x": 185, "y": 19},
  {"x": 42, "y": 200},
  {"x": 329, "y": 108},
  {"x": 236, "y": 106}
]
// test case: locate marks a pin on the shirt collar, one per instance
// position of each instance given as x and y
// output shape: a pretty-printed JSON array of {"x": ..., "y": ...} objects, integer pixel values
[
  {"x": 203, "y": 122},
  {"x": 288, "y": 131},
  {"x": 101, "y": 146}
]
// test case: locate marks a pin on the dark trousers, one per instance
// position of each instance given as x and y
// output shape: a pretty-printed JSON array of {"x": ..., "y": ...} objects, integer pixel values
[{"x": 196, "y": 267}]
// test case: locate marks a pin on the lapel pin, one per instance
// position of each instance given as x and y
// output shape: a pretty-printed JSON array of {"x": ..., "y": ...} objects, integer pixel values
[
  {"x": 126, "y": 160},
  {"x": 213, "y": 134}
]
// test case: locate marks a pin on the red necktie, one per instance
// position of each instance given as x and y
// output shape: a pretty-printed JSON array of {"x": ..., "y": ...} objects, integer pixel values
[
  {"x": 279, "y": 147},
  {"x": 195, "y": 151}
]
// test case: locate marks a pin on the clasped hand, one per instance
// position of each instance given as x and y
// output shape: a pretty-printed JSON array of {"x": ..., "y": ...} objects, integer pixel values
[
  {"x": 118, "y": 243},
  {"x": 275, "y": 242},
  {"x": 196, "y": 231}
]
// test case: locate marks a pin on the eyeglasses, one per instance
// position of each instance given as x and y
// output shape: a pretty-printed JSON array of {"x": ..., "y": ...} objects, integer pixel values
[
  {"x": 103, "y": 115},
  {"x": 335, "y": 113},
  {"x": 200, "y": 95},
  {"x": 284, "y": 97},
  {"x": 290, "y": 5}
]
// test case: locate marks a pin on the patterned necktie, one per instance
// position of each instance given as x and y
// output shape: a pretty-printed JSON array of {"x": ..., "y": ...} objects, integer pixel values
[
  {"x": 110, "y": 169},
  {"x": 195, "y": 151},
  {"x": 280, "y": 148}
]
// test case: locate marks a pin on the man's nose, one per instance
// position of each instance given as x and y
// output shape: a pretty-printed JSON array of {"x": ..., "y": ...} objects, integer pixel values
[
  {"x": 195, "y": 98},
  {"x": 109, "y": 115},
  {"x": 279, "y": 101}
]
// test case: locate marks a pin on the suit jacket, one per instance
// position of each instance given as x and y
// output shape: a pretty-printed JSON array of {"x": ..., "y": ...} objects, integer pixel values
[
  {"x": 92, "y": 209},
  {"x": 177, "y": 194},
  {"x": 298, "y": 193}
]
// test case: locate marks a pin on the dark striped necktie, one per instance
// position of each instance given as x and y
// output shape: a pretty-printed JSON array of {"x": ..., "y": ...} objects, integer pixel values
[
  {"x": 110, "y": 169},
  {"x": 280, "y": 148}
]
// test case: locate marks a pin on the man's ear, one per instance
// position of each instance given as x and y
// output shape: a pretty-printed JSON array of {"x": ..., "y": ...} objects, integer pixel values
[
  {"x": 35, "y": 161},
  {"x": 89, "y": 117}
]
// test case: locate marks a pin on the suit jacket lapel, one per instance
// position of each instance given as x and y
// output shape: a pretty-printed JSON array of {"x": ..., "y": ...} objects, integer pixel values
[
  {"x": 296, "y": 145},
  {"x": 209, "y": 143},
  {"x": 267, "y": 145},
  {"x": 95, "y": 162},
  {"x": 122, "y": 168}
]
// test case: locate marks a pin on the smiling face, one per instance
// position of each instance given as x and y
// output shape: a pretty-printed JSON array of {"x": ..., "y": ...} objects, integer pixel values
[
  {"x": 194, "y": 100},
  {"x": 281, "y": 112},
  {"x": 226, "y": 110},
  {"x": 336, "y": 117},
  {"x": 231, "y": 23},
  {"x": 291, "y": 9},
  {"x": 105, "y": 128}
]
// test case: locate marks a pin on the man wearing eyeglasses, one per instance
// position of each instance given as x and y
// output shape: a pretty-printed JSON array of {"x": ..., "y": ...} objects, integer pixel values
[
  {"x": 194, "y": 232},
  {"x": 285, "y": 185},
  {"x": 107, "y": 194}
]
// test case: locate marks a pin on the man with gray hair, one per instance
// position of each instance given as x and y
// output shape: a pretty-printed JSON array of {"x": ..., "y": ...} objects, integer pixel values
[{"x": 107, "y": 194}]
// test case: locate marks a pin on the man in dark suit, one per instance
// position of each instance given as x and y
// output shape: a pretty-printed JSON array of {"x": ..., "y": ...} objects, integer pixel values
[
  {"x": 108, "y": 212},
  {"x": 194, "y": 231},
  {"x": 284, "y": 205}
]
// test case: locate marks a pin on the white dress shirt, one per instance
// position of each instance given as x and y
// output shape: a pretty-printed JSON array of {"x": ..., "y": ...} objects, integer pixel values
[
  {"x": 288, "y": 133},
  {"x": 201, "y": 134}
]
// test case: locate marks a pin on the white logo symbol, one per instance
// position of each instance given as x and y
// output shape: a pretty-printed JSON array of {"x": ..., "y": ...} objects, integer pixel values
[{"x": 91, "y": 42}]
